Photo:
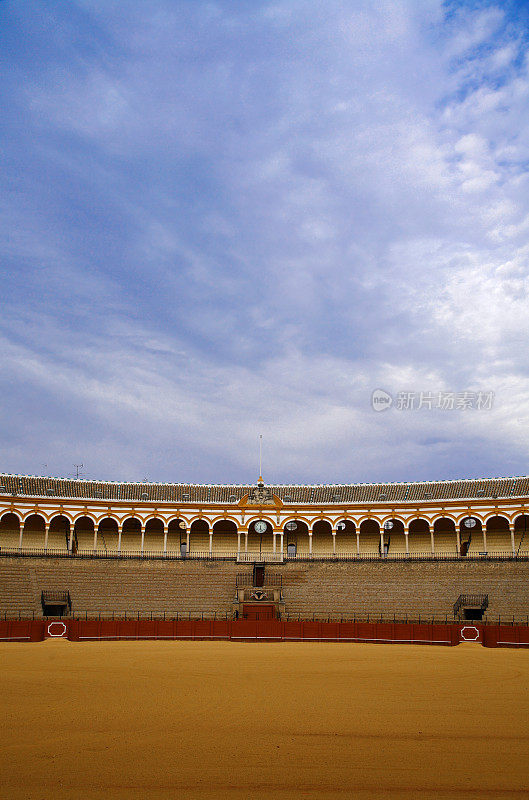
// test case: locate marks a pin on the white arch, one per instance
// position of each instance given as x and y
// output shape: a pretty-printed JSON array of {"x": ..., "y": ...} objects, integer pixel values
[
  {"x": 65, "y": 514},
  {"x": 86, "y": 515},
  {"x": 419, "y": 519},
  {"x": 465, "y": 515},
  {"x": 221, "y": 517},
  {"x": 444, "y": 516},
  {"x": 363, "y": 519},
  {"x": 391, "y": 517},
  {"x": 496, "y": 514},
  {"x": 176, "y": 518},
  {"x": 345, "y": 519},
  {"x": 296, "y": 518},
  {"x": 40, "y": 514},
  {"x": 108, "y": 516},
  {"x": 131, "y": 516},
  {"x": 16, "y": 513},
  {"x": 256, "y": 519},
  {"x": 198, "y": 517},
  {"x": 154, "y": 519}
]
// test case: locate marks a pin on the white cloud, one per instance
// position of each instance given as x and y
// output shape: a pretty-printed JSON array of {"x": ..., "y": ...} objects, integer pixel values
[{"x": 251, "y": 217}]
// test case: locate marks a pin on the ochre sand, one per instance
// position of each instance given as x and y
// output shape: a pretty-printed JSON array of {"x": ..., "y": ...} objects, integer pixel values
[{"x": 234, "y": 720}]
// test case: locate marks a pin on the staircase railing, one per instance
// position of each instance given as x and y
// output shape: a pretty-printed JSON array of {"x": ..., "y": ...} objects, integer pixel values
[{"x": 479, "y": 601}]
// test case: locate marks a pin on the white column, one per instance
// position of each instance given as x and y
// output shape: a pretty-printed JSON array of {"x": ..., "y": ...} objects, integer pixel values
[
  {"x": 334, "y": 543},
  {"x": 358, "y": 541},
  {"x": 273, "y": 542},
  {"x": 21, "y": 535},
  {"x": 511, "y": 527},
  {"x": 246, "y": 541},
  {"x": 310, "y": 542},
  {"x": 70, "y": 539},
  {"x": 458, "y": 540},
  {"x": 484, "y": 529},
  {"x": 46, "y": 531},
  {"x": 142, "y": 538},
  {"x": 406, "y": 540},
  {"x": 382, "y": 542},
  {"x": 238, "y": 541},
  {"x": 432, "y": 543},
  {"x": 165, "y": 538},
  {"x": 95, "y": 537},
  {"x": 211, "y": 541},
  {"x": 119, "y": 538},
  {"x": 281, "y": 544},
  {"x": 188, "y": 546}
]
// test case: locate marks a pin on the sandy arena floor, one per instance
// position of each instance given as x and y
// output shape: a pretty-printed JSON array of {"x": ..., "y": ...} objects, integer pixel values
[{"x": 224, "y": 720}]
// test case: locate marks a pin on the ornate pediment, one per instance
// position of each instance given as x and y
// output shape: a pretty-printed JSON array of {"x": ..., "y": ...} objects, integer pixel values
[{"x": 260, "y": 495}]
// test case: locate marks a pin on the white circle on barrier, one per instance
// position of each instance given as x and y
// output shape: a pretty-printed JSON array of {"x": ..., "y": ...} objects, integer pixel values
[
  {"x": 51, "y": 628},
  {"x": 470, "y": 638}
]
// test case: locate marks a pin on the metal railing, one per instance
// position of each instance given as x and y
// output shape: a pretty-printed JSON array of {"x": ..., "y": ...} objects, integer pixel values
[
  {"x": 316, "y": 616},
  {"x": 506, "y": 555},
  {"x": 52, "y": 597},
  {"x": 259, "y": 556},
  {"x": 216, "y": 555},
  {"x": 478, "y": 601},
  {"x": 243, "y": 579},
  {"x": 158, "y": 555},
  {"x": 402, "y": 617}
]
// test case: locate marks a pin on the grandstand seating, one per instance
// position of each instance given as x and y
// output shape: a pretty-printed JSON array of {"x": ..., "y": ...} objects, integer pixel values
[
  {"x": 369, "y": 543},
  {"x": 477, "y": 545},
  {"x": 445, "y": 542},
  {"x": 323, "y": 588},
  {"x": 94, "y": 586},
  {"x": 345, "y": 543},
  {"x": 383, "y": 587}
]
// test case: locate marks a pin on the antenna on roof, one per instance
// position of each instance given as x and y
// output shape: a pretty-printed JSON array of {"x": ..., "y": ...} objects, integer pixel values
[
  {"x": 78, "y": 473},
  {"x": 260, "y": 458}
]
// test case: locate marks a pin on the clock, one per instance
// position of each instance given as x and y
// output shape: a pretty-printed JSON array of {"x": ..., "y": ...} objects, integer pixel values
[{"x": 260, "y": 526}]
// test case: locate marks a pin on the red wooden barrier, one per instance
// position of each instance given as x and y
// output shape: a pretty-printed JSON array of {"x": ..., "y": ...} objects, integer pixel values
[
  {"x": 505, "y": 636},
  {"x": 14, "y": 630},
  {"x": 264, "y": 630}
]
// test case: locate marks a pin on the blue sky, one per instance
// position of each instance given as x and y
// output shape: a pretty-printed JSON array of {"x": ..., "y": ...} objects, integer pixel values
[{"x": 221, "y": 219}]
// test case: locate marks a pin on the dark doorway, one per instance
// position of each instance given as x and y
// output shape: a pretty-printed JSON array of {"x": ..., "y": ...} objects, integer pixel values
[
  {"x": 473, "y": 613},
  {"x": 258, "y": 574}
]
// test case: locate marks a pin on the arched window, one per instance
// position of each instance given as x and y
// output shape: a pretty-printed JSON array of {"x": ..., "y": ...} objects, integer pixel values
[{"x": 292, "y": 549}]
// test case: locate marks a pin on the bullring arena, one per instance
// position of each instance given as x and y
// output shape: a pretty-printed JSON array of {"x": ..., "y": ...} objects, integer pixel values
[{"x": 363, "y": 640}]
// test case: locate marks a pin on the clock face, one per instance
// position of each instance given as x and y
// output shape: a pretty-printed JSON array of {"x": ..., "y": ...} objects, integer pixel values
[
  {"x": 260, "y": 526},
  {"x": 470, "y": 523}
]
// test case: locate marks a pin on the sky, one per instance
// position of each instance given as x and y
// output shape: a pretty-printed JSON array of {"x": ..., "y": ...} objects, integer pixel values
[{"x": 228, "y": 219}]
